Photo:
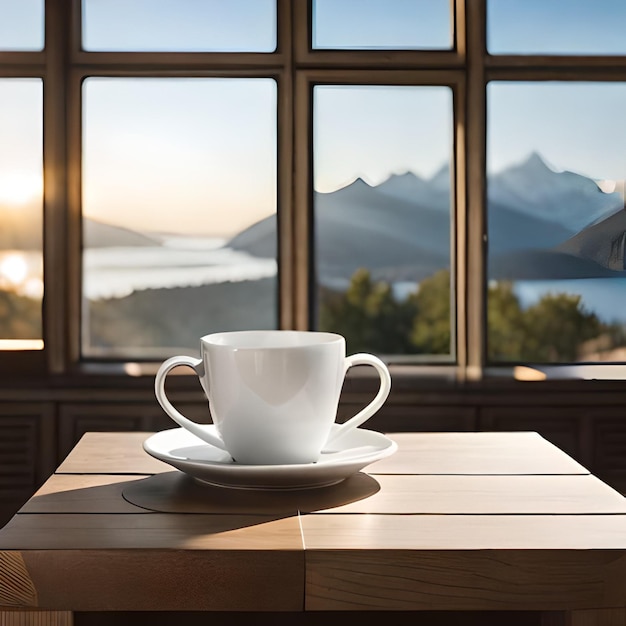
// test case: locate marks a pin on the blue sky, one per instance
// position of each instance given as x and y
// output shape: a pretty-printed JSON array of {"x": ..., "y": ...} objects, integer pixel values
[
  {"x": 556, "y": 26},
  {"x": 367, "y": 132}
]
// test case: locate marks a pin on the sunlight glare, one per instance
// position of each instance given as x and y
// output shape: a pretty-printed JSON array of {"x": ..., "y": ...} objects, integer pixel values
[
  {"x": 33, "y": 288},
  {"x": 19, "y": 187},
  {"x": 21, "y": 344},
  {"x": 13, "y": 269}
]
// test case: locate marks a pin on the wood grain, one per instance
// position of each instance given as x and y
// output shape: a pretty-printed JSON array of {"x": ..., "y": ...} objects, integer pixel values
[
  {"x": 418, "y": 453},
  {"x": 159, "y": 562},
  {"x": 111, "y": 453},
  {"x": 552, "y": 533},
  {"x": 36, "y": 618},
  {"x": 533, "y": 580},
  {"x": 155, "y": 531},
  {"x": 451, "y": 522},
  {"x": 168, "y": 580},
  {"x": 475, "y": 453},
  {"x": 436, "y": 494},
  {"x": 16, "y": 587},
  {"x": 83, "y": 493}
]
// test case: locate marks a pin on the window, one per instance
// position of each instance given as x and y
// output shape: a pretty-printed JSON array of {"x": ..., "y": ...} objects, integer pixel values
[
  {"x": 179, "y": 25},
  {"x": 557, "y": 27},
  {"x": 557, "y": 285},
  {"x": 21, "y": 25},
  {"x": 439, "y": 181},
  {"x": 381, "y": 24},
  {"x": 177, "y": 172},
  {"x": 555, "y": 184},
  {"x": 21, "y": 214},
  {"x": 382, "y": 160}
]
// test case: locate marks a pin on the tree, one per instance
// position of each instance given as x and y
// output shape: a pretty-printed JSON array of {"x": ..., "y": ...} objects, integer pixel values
[
  {"x": 368, "y": 316},
  {"x": 557, "y": 325},
  {"x": 550, "y": 331},
  {"x": 372, "y": 320},
  {"x": 507, "y": 328},
  {"x": 430, "y": 333},
  {"x": 20, "y": 316}
]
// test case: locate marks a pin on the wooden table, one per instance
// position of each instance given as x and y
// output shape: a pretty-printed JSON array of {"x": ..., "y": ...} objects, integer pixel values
[{"x": 477, "y": 523}]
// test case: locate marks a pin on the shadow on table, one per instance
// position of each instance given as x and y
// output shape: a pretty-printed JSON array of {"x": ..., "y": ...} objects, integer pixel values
[{"x": 176, "y": 492}]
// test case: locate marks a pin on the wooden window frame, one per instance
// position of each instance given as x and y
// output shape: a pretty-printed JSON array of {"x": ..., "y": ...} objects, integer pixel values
[{"x": 467, "y": 67}]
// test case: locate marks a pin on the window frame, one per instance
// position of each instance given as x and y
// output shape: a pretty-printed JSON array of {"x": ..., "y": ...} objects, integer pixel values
[
  {"x": 467, "y": 67},
  {"x": 306, "y": 81}
]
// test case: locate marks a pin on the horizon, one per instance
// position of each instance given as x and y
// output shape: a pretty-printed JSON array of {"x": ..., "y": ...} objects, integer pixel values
[{"x": 32, "y": 204}]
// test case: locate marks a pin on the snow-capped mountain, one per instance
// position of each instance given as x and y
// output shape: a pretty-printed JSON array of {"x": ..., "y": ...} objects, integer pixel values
[{"x": 401, "y": 229}]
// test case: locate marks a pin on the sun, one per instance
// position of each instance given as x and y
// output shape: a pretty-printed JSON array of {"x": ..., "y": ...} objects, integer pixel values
[
  {"x": 13, "y": 269},
  {"x": 19, "y": 187}
]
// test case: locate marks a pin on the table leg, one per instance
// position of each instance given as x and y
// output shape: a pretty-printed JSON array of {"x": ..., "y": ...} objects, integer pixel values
[{"x": 36, "y": 618}]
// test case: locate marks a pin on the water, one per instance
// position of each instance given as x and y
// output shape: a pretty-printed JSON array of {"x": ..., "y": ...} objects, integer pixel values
[
  {"x": 116, "y": 272},
  {"x": 185, "y": 261}
]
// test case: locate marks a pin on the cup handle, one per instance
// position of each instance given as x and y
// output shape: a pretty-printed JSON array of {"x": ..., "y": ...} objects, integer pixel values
[
  {"x": 159, "y": 389},
  {"x": 383, "y": 392}
]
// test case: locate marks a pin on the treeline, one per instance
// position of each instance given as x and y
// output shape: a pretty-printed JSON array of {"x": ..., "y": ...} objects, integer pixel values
[
  {"x": 373, "y": 320},
  {"x": 20, "y": 316},
  {"x": 367, "y": 314}
]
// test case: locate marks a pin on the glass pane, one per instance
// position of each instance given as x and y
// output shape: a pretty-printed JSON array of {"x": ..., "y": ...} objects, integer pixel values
[
  {"x": 382, "y": 24},
  {"x": 179, "y": 207},
  {"x": 556, "y": 27},
  {"x": 557, "y": 225},
  {"x": 21, "y": 24},
  {"x": 180, "y": 25},
  {"x": 21, "y": 213},
  {"x": 382, "y": 216}
]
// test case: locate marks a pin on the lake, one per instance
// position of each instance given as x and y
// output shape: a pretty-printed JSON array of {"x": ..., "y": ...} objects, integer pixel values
[{"x": 182, "y": 262}]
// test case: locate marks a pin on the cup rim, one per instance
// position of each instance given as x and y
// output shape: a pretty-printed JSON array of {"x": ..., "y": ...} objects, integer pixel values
[{"x": 275, "y": 339}]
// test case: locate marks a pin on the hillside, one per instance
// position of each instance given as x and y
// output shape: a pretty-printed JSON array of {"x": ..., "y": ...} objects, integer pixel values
[
  {"x": 24, "y": 231},
  {"x": 100, "y": 235},
  {"x": 401, "y": 229},
  {"x": 175, "y": 318},
  {"x": 602, "y": 243}
]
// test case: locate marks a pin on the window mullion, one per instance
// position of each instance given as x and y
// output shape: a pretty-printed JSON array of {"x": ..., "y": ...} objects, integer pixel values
[
  {"x": 475, "y": 160},
  {"x": 55, "y": 199}
]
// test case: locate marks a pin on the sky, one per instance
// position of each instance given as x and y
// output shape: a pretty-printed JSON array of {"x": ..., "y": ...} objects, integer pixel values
[
  {"x": 201, "y": 157},
  {"x": 180, "y": 152}
]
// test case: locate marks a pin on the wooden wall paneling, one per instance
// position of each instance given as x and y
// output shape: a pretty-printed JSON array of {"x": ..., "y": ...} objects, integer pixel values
[
  {"x": 75, "y": 419},
  {"x": 561, "y": 425},
  {"x": 27, "y": 452}
]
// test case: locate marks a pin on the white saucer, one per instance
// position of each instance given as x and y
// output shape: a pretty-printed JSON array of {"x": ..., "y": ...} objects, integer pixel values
[{"x": 206, "y": 463}]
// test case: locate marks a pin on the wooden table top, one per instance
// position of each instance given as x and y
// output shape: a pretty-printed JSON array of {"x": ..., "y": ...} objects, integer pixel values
[{"x": 451, "y": 521}]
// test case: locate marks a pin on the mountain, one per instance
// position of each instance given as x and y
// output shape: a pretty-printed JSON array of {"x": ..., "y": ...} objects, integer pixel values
[
  {"x": 545, "y": 265},
  {"x": 24, "y": 231},
  {"x": 434, "y": 192},
  {"x": 396, "y": 239},
  {"x": 583, "y": 236},
  {"x": 566, "y": 198},
  {"x": 362, "y": 226},
  {"x": 512, "y": 229},
  {"x": 541, "y": 224},
  {"x": 97, "y": 234},
  {"x": 603, "y": 243}
]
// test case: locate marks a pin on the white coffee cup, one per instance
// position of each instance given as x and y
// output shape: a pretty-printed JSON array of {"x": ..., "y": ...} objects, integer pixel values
[{"x": 273, "y": 394}]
